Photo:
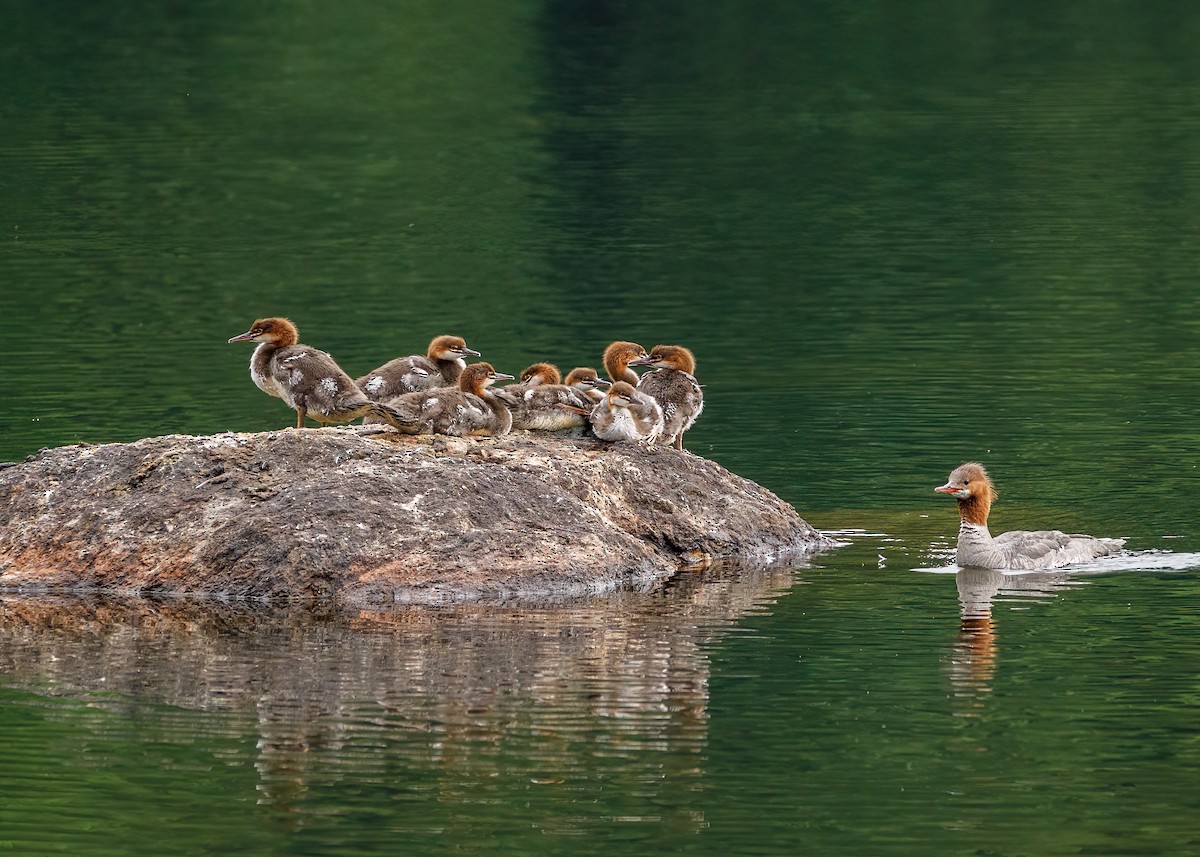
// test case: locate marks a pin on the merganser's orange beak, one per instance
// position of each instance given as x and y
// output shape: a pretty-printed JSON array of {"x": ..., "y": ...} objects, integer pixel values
[
  {"x": 946, "y": 489},
  {"x": 464, "y": 350},
  {"x": 597, "y": 382},
  {"x": 644, "y": 360},
  {"x": 243, "y": 337},
  {"x": 502, "y": 376}
]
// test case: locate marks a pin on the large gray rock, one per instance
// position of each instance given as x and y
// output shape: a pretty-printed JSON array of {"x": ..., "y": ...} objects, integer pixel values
[{"x": 369, "y": 517}]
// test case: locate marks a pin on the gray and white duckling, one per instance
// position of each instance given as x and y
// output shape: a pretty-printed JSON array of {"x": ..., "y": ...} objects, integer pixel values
[
  {"x": 311, "y": 383},
  {"x": 588, "y": 383},
  {"x": 466, "y": 409},
  {"x": 673, "y": 384},
  {"x": 443, "y": 362},
  {"x": 627, "y": 414},
  {"x": 541, "y": 403}
]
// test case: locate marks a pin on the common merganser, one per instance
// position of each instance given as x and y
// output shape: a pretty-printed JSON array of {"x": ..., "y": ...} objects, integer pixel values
[
  {"x": 616, "y": 361},
  {"x": 588, "y": 382},
  {"x": 541, "y": 403},
  {"x": 973, "y": 488},
  {"x": 627, "y": 414},
  {"x": 309, "y": 380},
  {"x": 469, "y": 408},
  {"x": 673, "y": 383},
  {"x": 440, "y": 367}
]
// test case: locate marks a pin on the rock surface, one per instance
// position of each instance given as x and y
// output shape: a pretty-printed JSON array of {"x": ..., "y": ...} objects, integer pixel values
[{"x": 372, "y": 518}]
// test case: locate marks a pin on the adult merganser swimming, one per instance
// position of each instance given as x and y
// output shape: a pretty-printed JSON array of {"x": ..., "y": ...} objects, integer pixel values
[
  {"x": 616, "y": 361},
  {"x": 541, "y": 403},
  {"x": 469, "y": 408},
  {"x": 440, "y": 367},
  {"x": 588, "y": 382},
  {"x": 973, "y": 488},
  {"x": 627, "y": 414},
  {"x": 309, "y": 380},
  {"x": 673, "y": 383}
]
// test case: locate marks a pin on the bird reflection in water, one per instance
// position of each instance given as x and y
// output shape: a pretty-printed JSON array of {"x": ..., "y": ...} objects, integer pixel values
[
  {"x": 469, "y": 702},
  {"x": 972, "y": 665}
]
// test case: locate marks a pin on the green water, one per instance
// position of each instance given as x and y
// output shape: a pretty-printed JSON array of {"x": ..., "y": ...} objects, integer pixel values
[{"x": 896, "y": 237}]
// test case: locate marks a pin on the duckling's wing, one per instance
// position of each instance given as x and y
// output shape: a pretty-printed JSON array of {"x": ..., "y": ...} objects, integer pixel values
[
  {"x": 678, "y": 393},
  {"x": 312, "y": 379},
  {"x": 512, "y": 395},
  {"x": 413, "y": 407},
  {"x": 399, "y": 376}
]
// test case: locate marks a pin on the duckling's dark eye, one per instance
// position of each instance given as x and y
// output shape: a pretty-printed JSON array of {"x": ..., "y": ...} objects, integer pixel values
[{"x": 966, "y": 482}]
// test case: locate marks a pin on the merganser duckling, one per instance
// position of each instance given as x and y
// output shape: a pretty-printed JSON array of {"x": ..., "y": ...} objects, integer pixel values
[
  {"x": 469, "y": 408},
  {"x": 617, "y": 358},
  {"x": 309, "y": 380},
  {"x": 973, "y": 488},
  {"x": 588, "y": 382},
  {"x": 627, "y": 414},
  {"x": 540, "y": 373},
  {"x": 541, "y": 403},
  {"x": 673, "y": 383},
  {"x": 532, "y": 376},
  {"x": 441, "y": 367}
]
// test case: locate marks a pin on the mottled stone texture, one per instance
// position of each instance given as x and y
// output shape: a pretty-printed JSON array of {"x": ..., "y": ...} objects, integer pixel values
[{"x": 371, "y": 517}]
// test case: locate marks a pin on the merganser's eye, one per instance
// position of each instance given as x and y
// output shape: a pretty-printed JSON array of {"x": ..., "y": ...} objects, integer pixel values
[{"x": 966, "y": 482}]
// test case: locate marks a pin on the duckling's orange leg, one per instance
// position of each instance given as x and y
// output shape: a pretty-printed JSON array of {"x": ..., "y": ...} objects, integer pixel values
[
  {"x": 679, "y": 441},
  {"x": 300, "y": 412}
]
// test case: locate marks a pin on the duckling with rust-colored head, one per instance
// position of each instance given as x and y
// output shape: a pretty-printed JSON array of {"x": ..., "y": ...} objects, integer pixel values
[
  {"x": 588, "y": 383},
  {"x": 541, "y": 403},
  {"x": 617, "y": 358},
  {"x": 311, "y": 383},
  {"x": 627, "y": 414},
  {"x": 467, "y": 409},
  {"x": 441, "y": 366},
  {"x": 673, "y": 385}
]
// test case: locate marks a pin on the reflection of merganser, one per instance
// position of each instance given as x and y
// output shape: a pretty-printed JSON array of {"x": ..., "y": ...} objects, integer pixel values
[
  {"x": 541, "y": 403},
  {"x": 673, "y": 384},
  {"x": 616, "y": 361},
  {"x": 627, "y": 414},
  {"x": 469, "y": 408},
  {"x": 973, "y": 488},
  {"x": 440, "y": 367},
  {"x": 309, "y": 380},
  {"x": 588, "y": 382}
]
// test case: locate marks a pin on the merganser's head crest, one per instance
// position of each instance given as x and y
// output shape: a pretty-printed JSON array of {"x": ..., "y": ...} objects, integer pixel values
[
  {"x": 541, "y": 373},
  {"x": 621, "y": 394},
  {"x": 972, "y": 487},
  {"x": 668, "y": 357},
  {"x": 449, "y": 348},
  {"x": 279, "y": 331},
  {"x": 585, "y": 376},
  {"x": 968, "y": 480},
  {"x": 478, "y": 376}
]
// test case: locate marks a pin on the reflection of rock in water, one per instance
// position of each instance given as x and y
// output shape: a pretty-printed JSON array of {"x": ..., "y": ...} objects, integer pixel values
[
  {"x": 613, "y": 688},
  {"x": 973, "y": 660}
]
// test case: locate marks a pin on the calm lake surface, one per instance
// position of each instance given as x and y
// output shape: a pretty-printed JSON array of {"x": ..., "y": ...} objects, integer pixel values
[{"x": 896, "y": 237}]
